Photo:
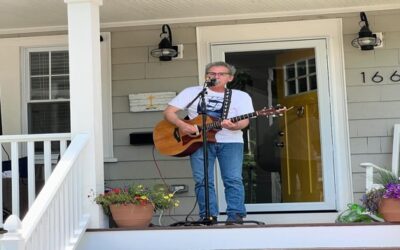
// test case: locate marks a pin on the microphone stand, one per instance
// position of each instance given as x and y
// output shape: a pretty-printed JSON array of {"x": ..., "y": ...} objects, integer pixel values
[
  {"x": 203, "y": 112},
  {"x": 208, "y": 219}
]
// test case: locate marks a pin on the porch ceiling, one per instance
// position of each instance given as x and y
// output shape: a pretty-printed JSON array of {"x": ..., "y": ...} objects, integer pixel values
[{"x": 47, "y": 15}]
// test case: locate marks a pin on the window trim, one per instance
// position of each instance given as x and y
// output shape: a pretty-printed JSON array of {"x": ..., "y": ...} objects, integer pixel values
[
  {"x": 106, "y": 83},
  {"x": 319, "y": 46}
]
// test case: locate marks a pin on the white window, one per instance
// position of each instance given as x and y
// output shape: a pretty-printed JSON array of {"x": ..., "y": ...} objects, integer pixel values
[
  {"x": 47, "y": 101},
  {"x": 300, "y": 76},
  {"x": 45, "y": 90}
]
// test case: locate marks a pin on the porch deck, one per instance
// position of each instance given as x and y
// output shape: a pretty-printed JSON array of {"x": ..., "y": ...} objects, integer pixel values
[{"x": 272, "y": 236}]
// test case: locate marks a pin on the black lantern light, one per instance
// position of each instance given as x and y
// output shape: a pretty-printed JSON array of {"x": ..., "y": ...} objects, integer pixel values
[
  {"x": 366, "y": 40},
  {"x": 165, "y": 50}
]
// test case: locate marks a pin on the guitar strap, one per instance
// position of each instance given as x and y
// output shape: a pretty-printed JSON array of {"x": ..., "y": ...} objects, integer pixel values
[{"x": 226, "y": 103}]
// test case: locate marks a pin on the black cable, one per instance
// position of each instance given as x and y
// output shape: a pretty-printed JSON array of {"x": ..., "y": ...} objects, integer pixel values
[
  {"x": 191, "y": 211},
  {"x": 158, "y": 168},
  {"x": 163, "y": 179}
]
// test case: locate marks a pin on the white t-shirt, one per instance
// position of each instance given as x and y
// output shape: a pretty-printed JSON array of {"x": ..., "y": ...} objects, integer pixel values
[{"x": 240, "y": 104}]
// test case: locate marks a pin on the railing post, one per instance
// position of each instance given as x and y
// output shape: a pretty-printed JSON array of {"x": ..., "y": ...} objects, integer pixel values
[
  {"x": 12, "y": 240},
  {"x": 369, "y": 179},
  {"x": 15, "y": 178}
]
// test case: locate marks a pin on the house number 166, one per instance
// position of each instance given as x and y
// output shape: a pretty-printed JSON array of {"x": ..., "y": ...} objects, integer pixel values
[{"x": 377, "y": 78}]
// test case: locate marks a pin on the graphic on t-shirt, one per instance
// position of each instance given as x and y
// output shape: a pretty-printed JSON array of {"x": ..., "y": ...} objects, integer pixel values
[{"x": 213, "y": 106}]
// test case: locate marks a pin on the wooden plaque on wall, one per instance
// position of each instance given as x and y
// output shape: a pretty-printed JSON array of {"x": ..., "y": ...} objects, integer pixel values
[{"x": 156, "y": 101}]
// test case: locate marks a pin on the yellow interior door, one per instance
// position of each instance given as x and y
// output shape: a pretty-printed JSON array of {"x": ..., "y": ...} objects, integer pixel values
[{"x": 300, "y": 137}]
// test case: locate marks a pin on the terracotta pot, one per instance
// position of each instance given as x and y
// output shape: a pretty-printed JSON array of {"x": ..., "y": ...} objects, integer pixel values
[
  {"x": 131, "y": 215},
  {"x": 390, "y": 209}
]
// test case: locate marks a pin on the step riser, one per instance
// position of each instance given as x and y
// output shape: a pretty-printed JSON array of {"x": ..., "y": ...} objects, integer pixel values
[{"x": 340, "y": 237}]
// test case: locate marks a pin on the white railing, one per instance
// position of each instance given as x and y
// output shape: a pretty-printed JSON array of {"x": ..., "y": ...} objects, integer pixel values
[
  {"x": 56, "y": 219},
  {"x": 371, "y": 168},
  {"x": 18, "y": 145}
]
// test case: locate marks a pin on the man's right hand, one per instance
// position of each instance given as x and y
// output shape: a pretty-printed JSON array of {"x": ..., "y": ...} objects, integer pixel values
[
  {"x": 188, "y": 129},
  {"x": 184, "y": 128}
]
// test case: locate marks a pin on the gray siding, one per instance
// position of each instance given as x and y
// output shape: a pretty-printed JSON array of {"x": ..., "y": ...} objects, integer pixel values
[
  {"x": 373, "y": 108},
  {"x": 135, "y": 71}
]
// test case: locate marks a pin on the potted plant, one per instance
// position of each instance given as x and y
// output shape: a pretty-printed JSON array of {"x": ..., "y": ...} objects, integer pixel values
[
  {"x": 378, "y": 204},
  {"x": 385, "y": 201},
  {"x": 134, "y": 206}
]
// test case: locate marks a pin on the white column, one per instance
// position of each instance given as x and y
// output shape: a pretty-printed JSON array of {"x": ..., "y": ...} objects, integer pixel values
[{"x": 85, "y": 96}]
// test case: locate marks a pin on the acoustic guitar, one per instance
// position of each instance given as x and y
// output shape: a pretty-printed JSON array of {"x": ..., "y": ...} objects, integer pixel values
[{"x": 169, "y": 141}]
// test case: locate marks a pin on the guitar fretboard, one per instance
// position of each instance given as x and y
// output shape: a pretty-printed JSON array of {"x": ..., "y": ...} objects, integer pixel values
[{"x": 217, "y": 124}]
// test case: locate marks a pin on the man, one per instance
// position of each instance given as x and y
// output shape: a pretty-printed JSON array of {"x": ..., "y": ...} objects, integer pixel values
[{"x": 228, "y": 148}]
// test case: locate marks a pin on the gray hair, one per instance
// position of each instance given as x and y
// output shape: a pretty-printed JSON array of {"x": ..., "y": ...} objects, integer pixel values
[{"x": 231, "y": 68}]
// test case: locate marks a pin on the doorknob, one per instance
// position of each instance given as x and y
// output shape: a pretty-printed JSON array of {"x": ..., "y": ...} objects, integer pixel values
[
  {"x": 281, "y": 133},
  {"x": 300, "y": 111},
  {"x": 279, "y": 144}
]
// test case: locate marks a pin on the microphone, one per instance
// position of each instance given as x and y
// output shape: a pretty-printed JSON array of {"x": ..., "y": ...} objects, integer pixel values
[{"x": 211, "y": 82}]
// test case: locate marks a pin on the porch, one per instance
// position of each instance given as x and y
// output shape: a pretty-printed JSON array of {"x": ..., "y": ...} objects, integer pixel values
[
  {"x": 62, "y": 216},
  {"x": 58, "y": 213}
]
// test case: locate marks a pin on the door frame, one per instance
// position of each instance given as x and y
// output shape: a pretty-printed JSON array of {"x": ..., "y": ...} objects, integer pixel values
[
  {"x": 331, "y": 31},
  {"x": 319, "y": 45}
]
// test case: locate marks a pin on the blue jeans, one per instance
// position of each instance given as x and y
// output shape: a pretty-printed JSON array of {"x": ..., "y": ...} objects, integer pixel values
[{"x": 230, "y": 159}]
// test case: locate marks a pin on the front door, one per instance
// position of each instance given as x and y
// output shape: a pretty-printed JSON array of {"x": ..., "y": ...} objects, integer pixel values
[{"x": 301, "y": 165}]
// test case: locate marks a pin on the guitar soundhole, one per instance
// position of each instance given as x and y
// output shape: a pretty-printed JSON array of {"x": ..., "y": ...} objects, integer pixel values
[{"x": 176, "y": 135}]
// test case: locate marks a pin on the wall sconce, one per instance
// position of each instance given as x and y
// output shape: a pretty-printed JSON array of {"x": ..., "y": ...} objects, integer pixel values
[
  {"x": 366, "y": 40},
  {"x": 165, "y": 50}
]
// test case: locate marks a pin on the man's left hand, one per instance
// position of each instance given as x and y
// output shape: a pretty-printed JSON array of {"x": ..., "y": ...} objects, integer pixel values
[{"x": 230, "y": 125}]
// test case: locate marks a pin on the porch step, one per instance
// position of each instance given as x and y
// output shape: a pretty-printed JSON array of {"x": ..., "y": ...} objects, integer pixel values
[{"x": 249, "y": 237}]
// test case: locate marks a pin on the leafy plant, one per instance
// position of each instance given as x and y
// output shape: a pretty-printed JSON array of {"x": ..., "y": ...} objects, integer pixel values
[
  {"x": 241, "y": 80},
  {"x": 158, "y": 196},
  {"x": 385, "y": 177},
  {"x": 355, "y": 213},
  {"x": 368, "y": 211}
]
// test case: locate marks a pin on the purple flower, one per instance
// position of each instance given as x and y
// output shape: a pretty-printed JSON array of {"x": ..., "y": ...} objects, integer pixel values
[{"x": 392, "y": 191}]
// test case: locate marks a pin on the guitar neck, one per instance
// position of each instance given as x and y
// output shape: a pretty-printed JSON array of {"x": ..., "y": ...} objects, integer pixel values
[{"x": 217, "y": 124}]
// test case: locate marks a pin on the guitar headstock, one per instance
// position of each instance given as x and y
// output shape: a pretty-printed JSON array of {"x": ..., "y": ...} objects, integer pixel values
[{"x": 278, "y": 110}]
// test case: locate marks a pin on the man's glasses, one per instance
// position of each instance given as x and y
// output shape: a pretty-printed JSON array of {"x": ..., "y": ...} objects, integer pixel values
[{"x": 214, "y": 74}]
